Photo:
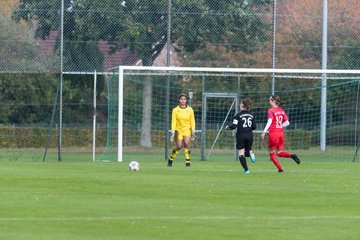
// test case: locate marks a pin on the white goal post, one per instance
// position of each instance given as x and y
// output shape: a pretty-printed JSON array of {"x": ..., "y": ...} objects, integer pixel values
[{"x": 171, "y": 70}]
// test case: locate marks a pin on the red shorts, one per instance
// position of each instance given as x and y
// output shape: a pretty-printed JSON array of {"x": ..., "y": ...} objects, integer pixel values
[{"x": 276, "y": 140}]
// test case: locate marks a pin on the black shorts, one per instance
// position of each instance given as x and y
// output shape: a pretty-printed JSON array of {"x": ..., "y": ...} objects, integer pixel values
[{"x": 244, "y": 140}]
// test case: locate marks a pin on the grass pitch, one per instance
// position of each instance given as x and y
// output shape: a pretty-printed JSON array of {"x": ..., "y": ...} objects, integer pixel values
[{"x": 209, "y": 200}]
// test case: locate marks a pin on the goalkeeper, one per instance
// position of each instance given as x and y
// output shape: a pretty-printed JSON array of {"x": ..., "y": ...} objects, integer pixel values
[{"x": 182, "y": 129}]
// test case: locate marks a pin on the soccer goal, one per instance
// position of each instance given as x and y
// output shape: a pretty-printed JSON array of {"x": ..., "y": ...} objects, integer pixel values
[
  {"x": 322, "y": 106},
  {"x": 214, "y": 120}
]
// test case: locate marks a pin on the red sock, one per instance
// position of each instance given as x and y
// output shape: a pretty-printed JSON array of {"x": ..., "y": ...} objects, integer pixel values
[
  {"x": 275, "y": 160},
  {"x": 284, "y": 154}
]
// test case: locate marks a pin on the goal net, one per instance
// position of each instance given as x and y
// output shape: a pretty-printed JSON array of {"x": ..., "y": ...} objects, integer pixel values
[
  {"x": 322, "y": 107},
  {"x": 110, "y": 150}
]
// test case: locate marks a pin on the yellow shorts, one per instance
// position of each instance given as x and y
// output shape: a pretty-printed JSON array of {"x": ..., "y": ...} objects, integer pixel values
[{"x": 179, "y": 135}]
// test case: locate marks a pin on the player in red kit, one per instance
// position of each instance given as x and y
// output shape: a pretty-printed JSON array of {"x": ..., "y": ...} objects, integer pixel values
[{"x": 277, "y": 120}]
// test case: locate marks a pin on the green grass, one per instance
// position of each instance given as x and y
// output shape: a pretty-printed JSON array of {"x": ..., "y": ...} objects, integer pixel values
[
  {"x": 313, "y": 154},
  {"x": 209, "y": 200}
]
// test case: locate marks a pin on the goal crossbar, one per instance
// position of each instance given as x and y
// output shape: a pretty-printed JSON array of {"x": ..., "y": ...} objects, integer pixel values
[{"x": 241, "y": 70}]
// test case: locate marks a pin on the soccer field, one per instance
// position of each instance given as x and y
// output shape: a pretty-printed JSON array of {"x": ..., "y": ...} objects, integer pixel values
[{"x": 209, "y": 200}]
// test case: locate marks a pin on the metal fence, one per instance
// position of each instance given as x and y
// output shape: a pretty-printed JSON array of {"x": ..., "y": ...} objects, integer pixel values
[
  {"x": 77, "y": 36},
  {"x": 47, "y": 40}
]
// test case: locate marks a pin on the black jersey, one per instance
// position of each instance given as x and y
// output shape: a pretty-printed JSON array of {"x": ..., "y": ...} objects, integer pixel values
[{"x": 244, "y": 121}]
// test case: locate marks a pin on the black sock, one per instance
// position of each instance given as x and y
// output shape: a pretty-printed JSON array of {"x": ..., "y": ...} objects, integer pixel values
[{"x": 243, "y": 162}]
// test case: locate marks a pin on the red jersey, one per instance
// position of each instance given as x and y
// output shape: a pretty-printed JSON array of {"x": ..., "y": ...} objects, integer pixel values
[{"x": 278, "y": 116}]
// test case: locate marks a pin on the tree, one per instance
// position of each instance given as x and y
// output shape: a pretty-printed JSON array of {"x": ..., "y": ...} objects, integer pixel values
[
  {"x": 299, "y": 32},
  {"x": 19, "y": 50},
  {"x": 81, "y": 30},
  {"x": 141, "y": 26},
  {"x": 348, "y": 58},
  {"x": 26, "y": 98}
]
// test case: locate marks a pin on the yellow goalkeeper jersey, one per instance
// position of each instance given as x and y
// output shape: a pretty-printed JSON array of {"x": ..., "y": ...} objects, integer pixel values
[{"x": 183, "y": 120}]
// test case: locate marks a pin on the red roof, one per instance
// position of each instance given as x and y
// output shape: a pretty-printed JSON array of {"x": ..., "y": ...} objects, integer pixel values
[{"x": 121, "y": 57}]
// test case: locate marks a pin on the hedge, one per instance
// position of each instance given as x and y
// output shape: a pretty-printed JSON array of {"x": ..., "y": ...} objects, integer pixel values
[{"x": 13, "y": 137}]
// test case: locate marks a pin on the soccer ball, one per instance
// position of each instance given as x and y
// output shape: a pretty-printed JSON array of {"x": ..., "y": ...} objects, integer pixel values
[{"x": 134, "y": 166}]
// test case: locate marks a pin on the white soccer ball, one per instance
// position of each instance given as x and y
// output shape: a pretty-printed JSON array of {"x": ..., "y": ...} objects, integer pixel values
[{"x": 134, "y": 166}]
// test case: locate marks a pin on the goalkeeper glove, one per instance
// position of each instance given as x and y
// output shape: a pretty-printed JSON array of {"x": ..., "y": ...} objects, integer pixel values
[
  {"x": 172, "y": 135},
  {"x": 193, "y": 136}
]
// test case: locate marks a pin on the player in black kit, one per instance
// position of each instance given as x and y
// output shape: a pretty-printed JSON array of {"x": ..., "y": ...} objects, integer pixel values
[{"x": 245, "y": 123}]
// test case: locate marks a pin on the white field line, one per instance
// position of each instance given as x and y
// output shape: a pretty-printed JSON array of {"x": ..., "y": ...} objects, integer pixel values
[
  {"x": 253, "y": 169},
  {"x": 185, "y": 218}
]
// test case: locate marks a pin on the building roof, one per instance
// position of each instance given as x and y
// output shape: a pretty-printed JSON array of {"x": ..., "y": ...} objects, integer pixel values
[{"x": 120, "y": 57}]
